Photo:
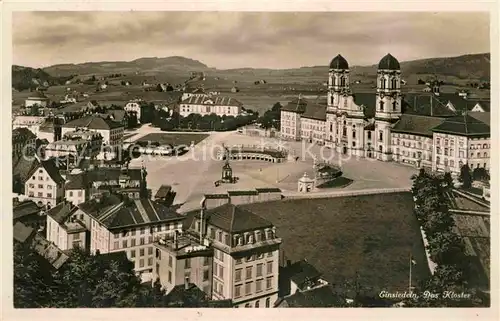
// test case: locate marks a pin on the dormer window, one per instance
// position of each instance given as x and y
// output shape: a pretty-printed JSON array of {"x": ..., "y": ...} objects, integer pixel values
[
  {"x": 240, "y": 240},
  {"x": 250, "y": 239}
]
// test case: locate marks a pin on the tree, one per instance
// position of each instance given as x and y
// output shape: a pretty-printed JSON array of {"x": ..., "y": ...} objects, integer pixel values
[
  {"x": 448, "y": 180},
  {"x": 465, "y": 176},
  {"x": 480, "y": 174}
]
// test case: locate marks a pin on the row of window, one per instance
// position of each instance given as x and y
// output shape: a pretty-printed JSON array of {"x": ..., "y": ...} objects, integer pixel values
[
  {"x": 133, "y": 242},
  {"x": 39, "y": 194},
  {"x": 259, "y": 270},
  {"x": 142, "y": 252},
  {"x": 478, "y": 146},
  {"x": 257, "y": 304},
  {"x": 79, "y": 193},
  {"x": 253, "y": 257},
  {"x": 249, "y": 287},
  {"x": 41, "y": 186},
  {"x": 141, "y": 262},
  {"x": 144, "y": 230}
]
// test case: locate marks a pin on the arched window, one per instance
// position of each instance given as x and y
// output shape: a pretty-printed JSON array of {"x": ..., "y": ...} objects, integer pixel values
[
  {"x": 331, "y": 127},
  {"x": 485, "y": 154},
  {"x": 380, "y": 148},
  {"x": 438, "y": 160},
  {"x": 353, "y": 131},
  {"x": 248, "y": 305},
  {"x": 485, "y": 146},
  {"x": 257, "y": 303},
  {"x": 268, "y": 302}
]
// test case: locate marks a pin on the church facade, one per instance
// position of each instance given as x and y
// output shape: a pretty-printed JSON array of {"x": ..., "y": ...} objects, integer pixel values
[{"x": 386, "y": 125}]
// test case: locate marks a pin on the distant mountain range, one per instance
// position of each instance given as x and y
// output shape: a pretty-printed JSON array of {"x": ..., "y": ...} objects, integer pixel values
[{"x": 474, "y": 67}]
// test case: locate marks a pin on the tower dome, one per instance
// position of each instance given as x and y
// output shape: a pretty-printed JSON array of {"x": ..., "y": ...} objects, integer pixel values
[
  {"x": 389, "y": 63},
  {"x": 339, "y": 62}
]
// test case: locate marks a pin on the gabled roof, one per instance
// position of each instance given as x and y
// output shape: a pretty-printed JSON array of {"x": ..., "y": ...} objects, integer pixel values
[
  {"x": 51, "y": 168},
  {"x": 234, "y": 219},
  {"x": 416, "y": 124},
  {"x": 179, "y": 295},
  {"x": 116, "y": 211},
  {"x": 315, "y": 111},
  {"x": 297, "y": 105},
  {"x": 301, "y": 271},
  {"x": 484, "y": 117},
  {"x": 464, "y": 126},
  {"x": 321, "y": 297},
  {"x": 23, "y": 132},
  {"x": 163, "y": 191},
  {"x": 102, "y": 174},
  {"x": 25, "y": 208},
  {"x": 62, "y": 211},
  {"x": 22, "y": 167},
  {"x": 93, "y": 122},
  {"x": 38, "y": 95},
  {"x": 425, "y": 105},
  {"x": 22, "y": 232}
]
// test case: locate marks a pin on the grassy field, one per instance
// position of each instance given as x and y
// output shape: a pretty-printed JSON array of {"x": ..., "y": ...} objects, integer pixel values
[
  {"x": 174, "y": 139},
  {"x": 370, "y": 235}
]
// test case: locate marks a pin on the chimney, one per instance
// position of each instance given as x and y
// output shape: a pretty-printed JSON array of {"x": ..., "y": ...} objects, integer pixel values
[{"x": 186, "y": 283}]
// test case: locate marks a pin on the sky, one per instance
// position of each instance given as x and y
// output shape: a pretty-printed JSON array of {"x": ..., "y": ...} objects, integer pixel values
[{"x": 227, "y": 40}]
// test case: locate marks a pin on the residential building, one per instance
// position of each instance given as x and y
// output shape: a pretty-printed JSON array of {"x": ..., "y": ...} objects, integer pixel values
[
  {"x": 44, "y": 184},
  {"x": 134, "y": 106},
  {"x": 22, "y": 139},
  {"x": 111, "y": 131},
  {"x": 82, "y": 185},
  {"x": 320, "y": 297},
  {"x": 246, "y": 254},
  {"x": 28, "y": 213},
  {"x": 125, "y": 222},
  {"x": 300, "y": 276},
  {"x": 193, "y": 92},
  {"x": 37, "y": 98},
  {"x": 179, "y": 259},
  {"x": 77, "y": 144},
  {"x": 459, "y": 140},
  {"x": 206, "y": 105},
  {"x": 65, "y": 229},
  {"x": 386, "y": 125}
]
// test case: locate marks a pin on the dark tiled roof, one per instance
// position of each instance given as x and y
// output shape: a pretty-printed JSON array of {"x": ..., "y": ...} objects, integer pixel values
[
  {"x": 416, "y": 124},
  {"x": 235, "y": 219},
  {"x": 76, "y": 181},
  {"x": 315, "y": 111},
  {"x": 367, "y": 101},
  {"x": 38, "y": 95},
  {"x": 297, "y": 105},
  {"x": 23, "y": 132},
  {"x": 117, "y": 114},
  {"x": 268, "y": 190},
  {"x": 179, "y": 295},
  {"x": 115, "y": 211},
  {"x": 484, "y": 117},
  {"x": 242, "y": 193},
  {"x": 103, "y": 174},
  {"x": 463, "y": 125},
  {"x": 301, "y": 271},
  {"x": 51, "y": 168},
  {"x": 163, "y": 191},
  {"x": 425, "y": 105},
  {"x": 62, "y": 211},
  {"x": 321, "y": 297},
  {"x": 25, "y": 208},
  {"x": 23, "y": 167},
  {"x": 339, "y": 62},
  {"x": 93, "y": 122},
  {"x": 388, "y": 62},
  {"x": 22, "y": 232},
  {"x": 214, "y": 100}
]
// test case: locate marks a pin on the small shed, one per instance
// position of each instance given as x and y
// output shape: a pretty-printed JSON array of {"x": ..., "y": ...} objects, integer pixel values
[{"x": 305, "y": 184}]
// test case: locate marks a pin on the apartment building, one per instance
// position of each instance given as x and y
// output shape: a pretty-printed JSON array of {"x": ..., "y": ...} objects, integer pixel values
[
  {"x": 65, "y": 229},
  {"x": 32, "y": 123},
  {"x": 111, "y": 131},
  {"x": 206, "y": 105},
  {"x": 134, "y": 106},
  {"x": 180, "y": 259},
  {"x": 44, "y": 184},
  {"x": 246, "y": 255},
  {"x": 78, "y": 144},
  {"x": 118, "y": 222}
]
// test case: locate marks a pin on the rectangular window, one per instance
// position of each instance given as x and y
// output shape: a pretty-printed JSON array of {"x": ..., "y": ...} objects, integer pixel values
[
  {"x": 49, "y": 195},
  {"x": 169, "y": 261},
  {"x": 150, "y": 250},
  {"x": 258, "y": 285},
  {"x": 237, "y": 291},
  {"x": 141, "y": 252},
  {"x": 269, "y": 283},
  {"x": 116, "y": 235},
  {"x": 238, "y": 261},
  {"x": 237, "y": 275},
  {"x": 132, "y": 242},
  {"x": 188, "y": 263},
  {"x": 116, "y": 245},
  {"x": 132, "y": 232},
  {"x": 369, "y": 135},
  {"x": 40, "y": 194},
  {"x": 132, "y": 253},
  {"x": 143, "y": 230},
  {"x": 249, "y": 272},
  {"x": 248, "y": 288},
  {"x": 221, "y": 271},
  {"x": 205, "y": 275},
  {"x": 269, "y": 254},
  {"x": 141, "y": 241},
  {"x": 150, "y": 261},
  {"x": 269, "y": 267},
  {"x": 150, "y": 239},
  {"x": 80, "y": 193},
  {"x": 124, "y": 243},
  {"x": 49, "y": 186},
  {"x": 259, "y": 269},
  {"x": 380, "y": 135},
  {"x": 169, "y": 276},
  {"x": 206, "y": 261},
  {"x": 141, "y": 263}
]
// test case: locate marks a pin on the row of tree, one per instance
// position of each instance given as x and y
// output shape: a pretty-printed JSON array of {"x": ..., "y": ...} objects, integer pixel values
[
  {"x": 271, "y": 118},
  {"x": 85, "y": 281},
  {"x": 445, "y": 247}
]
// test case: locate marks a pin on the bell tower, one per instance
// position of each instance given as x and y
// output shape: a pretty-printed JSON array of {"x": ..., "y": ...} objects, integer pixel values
[
  {"x": 388, "y": 104},
  {"x": 338, "y": 82}
]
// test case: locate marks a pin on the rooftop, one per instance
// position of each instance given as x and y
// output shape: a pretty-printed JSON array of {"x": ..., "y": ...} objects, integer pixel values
[
  {"x": 93, "y": 122},
  {"x": 23, "y": 132},
  {"x": 416, "y": 124},
  {"x": 22, "y": 232},
  {"x": 183, "y": 245},
  {"x": 212, "y": 100},
  {"x": 464, "y": 126},
  {"x": 25, "y": 208},
  {"x": 321, "y": 297}
]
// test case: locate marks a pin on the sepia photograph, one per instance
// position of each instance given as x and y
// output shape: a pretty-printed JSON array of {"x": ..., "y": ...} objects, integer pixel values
[{"x": 231, "y": 159}]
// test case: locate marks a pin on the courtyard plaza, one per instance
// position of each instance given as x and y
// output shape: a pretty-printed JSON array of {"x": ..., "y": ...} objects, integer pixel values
[{"x": 193, "y": 174}]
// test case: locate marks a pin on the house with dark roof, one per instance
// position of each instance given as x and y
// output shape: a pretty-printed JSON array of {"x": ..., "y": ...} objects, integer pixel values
[
  {"x": 22, "y": 138},
  {"x": 111, "y": 131},
  {"x": 459, "y": 140},
  {"x": 66, "y": 229},
  {"x": 319, "y": 297},
  {"x": 37, "y": 98},
  {"x": 23, "y": 233},
  {"x": 28, "y": 213},
  {"x": 22, "y": 167},
  {"x": 206, "y": 105},
  {"x": 118, "y": 222},
  {"x": 299, "y": 277},
  {"x": 165, "y": 195},
  {"x": 43, "y": 184},
  {"x": 246, "y": 254}
]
